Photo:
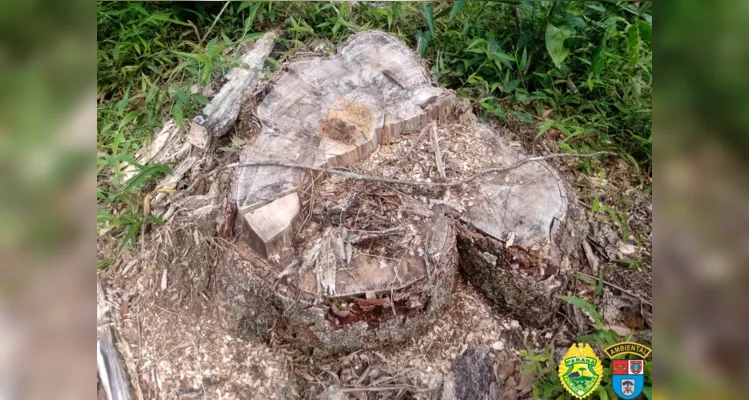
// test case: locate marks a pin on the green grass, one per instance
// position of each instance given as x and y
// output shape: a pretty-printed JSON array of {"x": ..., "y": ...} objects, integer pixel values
[{"x": 589, "y": 62}]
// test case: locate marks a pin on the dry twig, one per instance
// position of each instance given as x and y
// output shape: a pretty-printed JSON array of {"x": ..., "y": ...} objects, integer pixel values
[
  {"x": 437, "y": 151},
  {"x": 214, "y": 23},
  {"x": 379, "y": 389},
  {"x": 418, "y": 139},
  {"x": 617, "y": 287},
  {"x": 352, "y": 175}
]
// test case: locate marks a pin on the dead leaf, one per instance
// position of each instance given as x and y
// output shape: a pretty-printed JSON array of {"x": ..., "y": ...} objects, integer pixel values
[
  {"x": 592, "y": 258},
  {"x": 123, "y": 308},
  {"x": 620, "y": 330},
  {"x": 547, "y": 113},
  {"x": 627, "y": 249},
  {"x": 147, "y": 205},
  {"x": 505, "y": 371},
  {"x": 526, "y": 382}
]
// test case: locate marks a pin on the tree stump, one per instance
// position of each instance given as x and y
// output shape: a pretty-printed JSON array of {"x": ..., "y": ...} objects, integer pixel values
[{"x": 340, "y": 264}]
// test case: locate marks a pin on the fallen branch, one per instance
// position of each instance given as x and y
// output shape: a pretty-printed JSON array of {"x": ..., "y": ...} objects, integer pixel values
[
  {"x": 617, "y": 287},
  {"x": 352, "y": 175}
]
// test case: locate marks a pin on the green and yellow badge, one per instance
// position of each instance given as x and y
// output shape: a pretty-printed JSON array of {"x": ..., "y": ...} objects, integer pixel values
[{"x": 580, "y": 371}]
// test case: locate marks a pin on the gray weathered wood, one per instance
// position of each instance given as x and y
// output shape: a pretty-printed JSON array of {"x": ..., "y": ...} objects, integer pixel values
[
  {"x": 111, "y": 374},
  {"x": 219, "y": 115}
]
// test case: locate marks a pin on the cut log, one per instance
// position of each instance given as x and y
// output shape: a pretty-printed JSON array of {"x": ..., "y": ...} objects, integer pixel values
[{"x": 340, "y": 264}]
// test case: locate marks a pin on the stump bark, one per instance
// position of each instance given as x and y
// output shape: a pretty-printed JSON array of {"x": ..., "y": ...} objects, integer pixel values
[{"x": 339, "y": 264}]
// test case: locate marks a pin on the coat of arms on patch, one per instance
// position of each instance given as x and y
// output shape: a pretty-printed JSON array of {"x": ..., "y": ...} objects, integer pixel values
[
  {"x": 580, "y": 371},
  {"x": 627, "y": 376}
]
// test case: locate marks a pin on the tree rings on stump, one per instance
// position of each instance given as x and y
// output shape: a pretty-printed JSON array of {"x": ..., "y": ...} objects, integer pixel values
[{"x": 340, "y": 264}]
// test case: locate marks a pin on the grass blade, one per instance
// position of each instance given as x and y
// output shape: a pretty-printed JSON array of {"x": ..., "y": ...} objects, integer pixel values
[{"x": 457, "y": 8}]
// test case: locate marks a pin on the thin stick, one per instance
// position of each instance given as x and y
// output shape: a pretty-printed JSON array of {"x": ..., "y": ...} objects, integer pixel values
[
  {"x": 214, "y": 23},
  {"x": 351, "y": 175},
  {"x": 458, "y": 182},
  {"x": 617, "y": 287},
  {"x": 379, "y": 389},
  {"x": 437, "y": 151},
  {"x": 418, "y": 139}
]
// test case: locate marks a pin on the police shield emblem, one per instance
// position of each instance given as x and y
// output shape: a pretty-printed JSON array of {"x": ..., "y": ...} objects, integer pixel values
[
  {"x": 580, "y": 371},
  {"x": 627, "y": 378}
]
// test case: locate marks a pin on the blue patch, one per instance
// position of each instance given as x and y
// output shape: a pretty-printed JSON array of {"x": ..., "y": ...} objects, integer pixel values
[{"x": 627, "y": 386}]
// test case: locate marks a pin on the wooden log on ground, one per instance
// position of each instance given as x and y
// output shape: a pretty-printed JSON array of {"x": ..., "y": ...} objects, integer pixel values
[{"x": 337, "y": 264}]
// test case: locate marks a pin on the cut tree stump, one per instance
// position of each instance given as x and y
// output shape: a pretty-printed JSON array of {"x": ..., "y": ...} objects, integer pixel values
[{"x": 340, "y": 264}]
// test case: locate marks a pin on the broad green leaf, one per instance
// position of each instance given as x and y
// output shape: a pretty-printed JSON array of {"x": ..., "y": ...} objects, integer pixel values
[
  {"x": 130, "y": 236},
  {"x": 273, "y": 62},
  {"x": 205, "y": 76},
  {"x": 156, "y": 220},
  {"x": 427, "y": 10},
  {"x": 646, "y": 31},
  {"x": 523, "y": 117},
  {"x": 584, "y": 278},
  {"x": 523, "y": 59},
  {"x": 477, "y": 46},
  {"x": 545, "y": 127},
  {"x": 200, "y": 98},
  {"x": 442, "y": 13},
  {"x": 177, "y": 112},
  {"x": 596, "y": 7},
  {"x": 586, "y": 307},
  {"x": 251, "y": 18},
  {"x": 501, "y": 56},
  {"x": 555, "y": 38},
  {"x": 633, "y": 44},
  {"x": 192, "y": 56},
  {"x": 602, "y": 393},
  {"x": 457, "y": 8},
  {"x": 511, "y": 85},
  {"x": 422, "y": 39},
  {"x": 149, "y": 172}
]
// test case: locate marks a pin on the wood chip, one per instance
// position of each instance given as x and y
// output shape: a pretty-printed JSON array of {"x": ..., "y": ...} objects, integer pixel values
[{"x": 163, "y": 280}]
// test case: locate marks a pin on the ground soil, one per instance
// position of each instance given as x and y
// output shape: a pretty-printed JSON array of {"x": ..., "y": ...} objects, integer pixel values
[{"x": 175, "y": 338}]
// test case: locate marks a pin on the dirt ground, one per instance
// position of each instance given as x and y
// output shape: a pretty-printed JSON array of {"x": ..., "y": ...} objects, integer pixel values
[{"x": 174, "y": 336}]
